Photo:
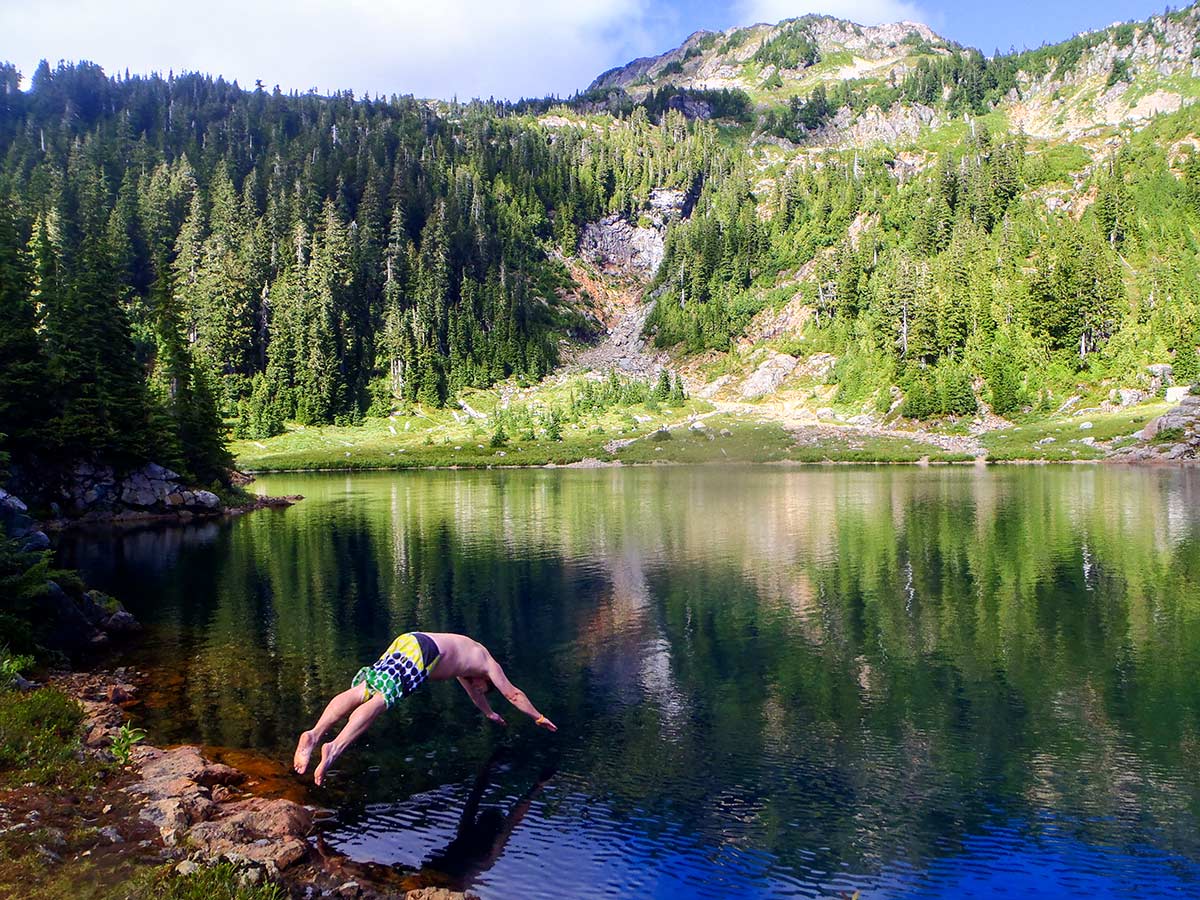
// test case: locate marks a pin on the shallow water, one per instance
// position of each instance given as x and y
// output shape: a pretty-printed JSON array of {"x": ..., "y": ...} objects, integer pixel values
[{"x": 769, "y": 682}]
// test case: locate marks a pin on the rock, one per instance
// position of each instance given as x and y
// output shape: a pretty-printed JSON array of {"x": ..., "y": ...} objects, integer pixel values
[
  {"x": 826, "y": 413},
  {"x": 1044, "y": 441},
  {"x": 111, "y": 835},
  {"x": 119, "y": 693},
  {"x": 69, "y": 629},
  {"x": 207, "y": 500},
  {"x": 770, "y": 373},
  {"x": 614, "y": 242},
  {"x": 698, "y": 426},
  {"x": 1162, "y": 371},
  {"x": 167, "y": 815},
  {"x": 1086, "y": 426},
  {"x": 347, "y": 889},
  {"x": 242, "y": 824},
  {"x": 1177, "y": 394},
  {"x": 121, "y": 622},
  {"x": 35, "y": 542},
  {"x": 439, "y": 893},
  {"x": 1123, "y": 397},
  {"x": 186, "y": 868},
  {"x": 725, "y": 432},
  {"x": 710, "y": 390}
]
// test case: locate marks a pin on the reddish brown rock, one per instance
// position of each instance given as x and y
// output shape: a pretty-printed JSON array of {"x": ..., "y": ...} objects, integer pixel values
[{"x": 120, "y": 693}]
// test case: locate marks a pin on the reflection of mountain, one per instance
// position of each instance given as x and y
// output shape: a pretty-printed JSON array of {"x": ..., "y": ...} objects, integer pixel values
[{"x": 836, "y": 670}]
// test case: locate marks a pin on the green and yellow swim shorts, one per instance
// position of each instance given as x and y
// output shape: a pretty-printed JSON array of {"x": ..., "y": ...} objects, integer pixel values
[{"x": 402, "y": 669}]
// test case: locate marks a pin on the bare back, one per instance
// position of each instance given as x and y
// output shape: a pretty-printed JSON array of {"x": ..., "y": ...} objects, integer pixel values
[{"x": 460, "y": 657}]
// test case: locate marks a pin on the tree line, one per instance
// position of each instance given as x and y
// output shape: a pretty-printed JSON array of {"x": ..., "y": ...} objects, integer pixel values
[{"x": 178, "y": 250}]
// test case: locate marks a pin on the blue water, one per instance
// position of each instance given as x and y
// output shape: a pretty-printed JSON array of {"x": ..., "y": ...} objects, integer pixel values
[{"x": 769, "y": 682}]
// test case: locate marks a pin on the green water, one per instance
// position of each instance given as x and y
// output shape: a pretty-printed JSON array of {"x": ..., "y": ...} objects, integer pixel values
[{"x": 769, "y": 682}]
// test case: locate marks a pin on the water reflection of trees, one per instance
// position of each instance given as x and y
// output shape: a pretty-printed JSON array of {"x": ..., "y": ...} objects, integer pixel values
[{"x": 869, "y": 661}]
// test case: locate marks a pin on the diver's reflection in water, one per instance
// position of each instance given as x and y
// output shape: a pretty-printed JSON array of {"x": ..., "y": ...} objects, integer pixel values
[{"x": 482, "y": 833}]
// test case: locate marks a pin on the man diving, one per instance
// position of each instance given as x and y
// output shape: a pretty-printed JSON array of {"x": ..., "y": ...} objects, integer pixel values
[{"x": 404, "y": 666}]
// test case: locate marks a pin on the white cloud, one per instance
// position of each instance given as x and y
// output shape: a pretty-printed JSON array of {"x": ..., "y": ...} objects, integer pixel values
[
  {"x": 864, "y": 12},
  {"x": 431, "y": 48}
]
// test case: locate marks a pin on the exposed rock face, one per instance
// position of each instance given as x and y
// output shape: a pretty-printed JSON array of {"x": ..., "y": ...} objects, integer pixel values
[
  {"x": 615, "y": 243},
  {"x": 98, "y": 489},
  {"x": 770, "y": 373},
  {"x": 874, "y": 126}
]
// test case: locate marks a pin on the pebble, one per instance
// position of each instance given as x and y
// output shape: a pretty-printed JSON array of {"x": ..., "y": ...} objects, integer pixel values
[
  {"x": 111, "y": 835},
  {"x": 187, "y": 867}
]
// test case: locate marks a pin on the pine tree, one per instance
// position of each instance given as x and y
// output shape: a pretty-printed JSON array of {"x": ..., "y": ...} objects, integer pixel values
[{"x": 22, "y": 362}]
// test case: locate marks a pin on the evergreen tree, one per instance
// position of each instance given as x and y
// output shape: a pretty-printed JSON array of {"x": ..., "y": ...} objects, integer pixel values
[{"x": 22, "y": 363}]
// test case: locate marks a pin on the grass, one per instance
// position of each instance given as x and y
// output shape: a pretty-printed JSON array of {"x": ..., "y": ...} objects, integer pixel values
[
  {"x": 1022, "y": 440},
  {"x": 219, "y": 882},
  {"x": 39, "y": 739},
  {"x": 435, "y": 437}
]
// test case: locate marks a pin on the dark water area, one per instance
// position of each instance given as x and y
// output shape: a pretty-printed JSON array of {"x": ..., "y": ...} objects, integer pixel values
[{"x": 945, "y": 682}]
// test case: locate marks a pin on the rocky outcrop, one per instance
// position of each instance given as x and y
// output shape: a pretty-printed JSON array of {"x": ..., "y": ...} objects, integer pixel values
[
  {"x": 769, "y": 375},
  {"x": 614, "y": 243},
  {"x": 94, "y": 489},
  {"x": 16, "y": 522},
  {"x": 183, "y": 807},
  {"x": 1172, "y": 437}
]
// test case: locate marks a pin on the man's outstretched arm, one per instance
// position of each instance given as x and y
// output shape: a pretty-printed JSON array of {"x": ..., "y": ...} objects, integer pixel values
[
  {"x": 478, "y": 696},
  {"x": 516, "y": 696}
]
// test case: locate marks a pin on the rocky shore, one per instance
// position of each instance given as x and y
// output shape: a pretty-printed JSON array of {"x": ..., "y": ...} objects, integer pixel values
[{"x": 181, "y": 807}]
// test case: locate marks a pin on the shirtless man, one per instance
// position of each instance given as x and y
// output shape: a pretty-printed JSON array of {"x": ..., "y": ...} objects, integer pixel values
[{"x": 405, "y": 665}]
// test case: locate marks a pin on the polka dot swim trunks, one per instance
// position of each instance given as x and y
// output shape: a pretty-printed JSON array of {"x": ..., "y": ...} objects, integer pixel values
[{"x": 402, "y": 669}]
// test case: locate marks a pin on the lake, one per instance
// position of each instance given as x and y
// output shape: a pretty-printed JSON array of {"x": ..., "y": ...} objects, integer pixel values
[{"x": 769, "y": 682}]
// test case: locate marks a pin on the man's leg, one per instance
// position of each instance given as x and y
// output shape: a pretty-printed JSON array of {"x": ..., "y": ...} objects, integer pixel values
[
  {"x": 359, "y": 720},
  {"x": 339, "y": 707}
]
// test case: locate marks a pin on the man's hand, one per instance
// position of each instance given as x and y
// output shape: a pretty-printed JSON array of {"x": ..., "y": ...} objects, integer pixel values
[
  {"x": 543, "y": 722},
  {"x": 497, "y": 718}
]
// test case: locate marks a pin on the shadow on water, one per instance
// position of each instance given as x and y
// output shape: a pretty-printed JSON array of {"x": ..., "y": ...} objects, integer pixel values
[{"x": 768, "y": 682}]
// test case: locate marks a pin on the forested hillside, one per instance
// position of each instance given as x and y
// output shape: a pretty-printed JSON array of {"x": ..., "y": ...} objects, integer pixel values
[
  {"x": 178, "y": 252},
  {"x": 179, "y": 248}
]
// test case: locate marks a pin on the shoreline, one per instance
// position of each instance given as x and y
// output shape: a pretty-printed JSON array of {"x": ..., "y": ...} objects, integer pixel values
[
  {"x": 177, "y": 811},
  {"x": 592, "y": 463},
  {"x": 130, "y": 519}
]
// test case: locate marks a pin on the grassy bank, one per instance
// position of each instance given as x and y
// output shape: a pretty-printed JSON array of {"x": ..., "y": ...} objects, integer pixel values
[{"x": 639, "y": 435}]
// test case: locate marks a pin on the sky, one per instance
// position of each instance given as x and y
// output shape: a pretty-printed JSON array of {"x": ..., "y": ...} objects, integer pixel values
[{"x": 467, "y": 48}]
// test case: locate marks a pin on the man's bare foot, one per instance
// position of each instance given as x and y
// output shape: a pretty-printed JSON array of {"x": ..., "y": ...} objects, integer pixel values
[
  {"x": 328, "y": 755},
  {"x": 304, "y": 749}
]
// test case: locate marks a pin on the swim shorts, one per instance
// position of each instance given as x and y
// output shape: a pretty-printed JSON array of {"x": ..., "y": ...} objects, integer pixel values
[{"x": 402, "y": 669}]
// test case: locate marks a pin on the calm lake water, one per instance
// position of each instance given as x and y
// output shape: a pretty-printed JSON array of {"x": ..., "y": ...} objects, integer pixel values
[{"x": 943, "y": 682}]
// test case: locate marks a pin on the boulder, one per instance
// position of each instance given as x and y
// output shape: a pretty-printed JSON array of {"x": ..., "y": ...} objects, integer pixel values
[
  {"x": 207, "y": 500},
  {"x": 1161, "y": 371},
  {"x": 770, "y": 373},
  {"x": 68, "y": 629}
]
